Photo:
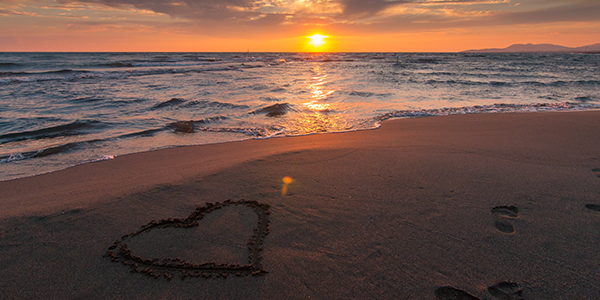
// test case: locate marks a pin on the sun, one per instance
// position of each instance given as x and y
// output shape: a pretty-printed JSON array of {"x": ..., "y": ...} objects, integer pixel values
[{"x": 317, "y": 40}]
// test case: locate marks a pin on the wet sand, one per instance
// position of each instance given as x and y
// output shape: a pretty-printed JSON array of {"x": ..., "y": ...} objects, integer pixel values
[{"x": 494, "y": 206}]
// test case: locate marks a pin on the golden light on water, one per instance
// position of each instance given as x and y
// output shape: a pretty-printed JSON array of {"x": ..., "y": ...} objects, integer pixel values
[
  {"x": 318, "y": 107},
  {"x": 319, "y": 114},
  {"x": 318, "y": 94},
  {"x": 317, "y": 122}
]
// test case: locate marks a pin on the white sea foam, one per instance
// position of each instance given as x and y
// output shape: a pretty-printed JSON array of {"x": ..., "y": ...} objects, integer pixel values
[{"x": 494, "y": 108}]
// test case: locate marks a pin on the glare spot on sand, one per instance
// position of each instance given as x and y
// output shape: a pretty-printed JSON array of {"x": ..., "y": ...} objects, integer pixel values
[{"x": 287, "y": 180}]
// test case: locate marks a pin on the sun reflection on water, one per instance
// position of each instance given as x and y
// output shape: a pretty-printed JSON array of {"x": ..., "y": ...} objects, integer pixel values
[
  {"x": 319, "y": 107},
  {"x": 306, "y": 123},
  {"x": 318, "y": 94},
  {"x": 319, "y": 114}
]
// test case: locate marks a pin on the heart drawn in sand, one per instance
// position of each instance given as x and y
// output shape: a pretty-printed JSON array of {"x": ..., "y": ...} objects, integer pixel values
[{"x": 168, "y": 267}]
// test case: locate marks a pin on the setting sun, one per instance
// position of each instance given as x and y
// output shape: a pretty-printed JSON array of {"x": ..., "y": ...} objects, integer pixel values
[{"x": 317, "y": 40}]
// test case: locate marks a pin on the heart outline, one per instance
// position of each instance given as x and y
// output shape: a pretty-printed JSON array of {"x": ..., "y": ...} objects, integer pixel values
[{"x": 120, "y": 252}]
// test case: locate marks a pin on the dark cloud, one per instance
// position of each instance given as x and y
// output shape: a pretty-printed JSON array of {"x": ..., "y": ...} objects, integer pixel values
[
  {"x": 267, "y": 20},
  {"x": 240, "y": 10},
  {"x": 187, "y": 9},
  {"x": 6, "y": 12},
  {"x": 572, "y": 12},
  {"x": 367, "y": 7},
  {"x": 581, "y": 11}
]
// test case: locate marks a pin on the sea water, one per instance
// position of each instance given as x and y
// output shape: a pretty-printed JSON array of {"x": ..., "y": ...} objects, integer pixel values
[{"x": 62, "y": 109}]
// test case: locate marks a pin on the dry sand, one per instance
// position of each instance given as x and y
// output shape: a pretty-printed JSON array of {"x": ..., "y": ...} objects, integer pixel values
[{"x": 499, "y": 206}]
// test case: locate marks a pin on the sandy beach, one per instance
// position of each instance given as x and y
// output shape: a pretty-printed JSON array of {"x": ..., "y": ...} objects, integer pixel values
[{"x": 482, "y": 206}]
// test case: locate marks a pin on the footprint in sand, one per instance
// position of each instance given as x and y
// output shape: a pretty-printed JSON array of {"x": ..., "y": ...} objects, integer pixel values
[
  {"x": 450, "y": 293},
  {"x": 509, "y": 211},
  {"x": 594, "y": 207},
  {"x": 503, "y": 214},
  {"x": 504, "y": 226},
  {"x": 506, "y": 290}
]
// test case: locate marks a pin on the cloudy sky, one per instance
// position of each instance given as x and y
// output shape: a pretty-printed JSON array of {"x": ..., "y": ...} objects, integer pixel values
[{"x": 283, "y": 25}]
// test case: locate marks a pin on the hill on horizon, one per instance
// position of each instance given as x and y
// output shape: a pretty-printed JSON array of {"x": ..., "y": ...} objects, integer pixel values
[{"x": 541, "y": 48}]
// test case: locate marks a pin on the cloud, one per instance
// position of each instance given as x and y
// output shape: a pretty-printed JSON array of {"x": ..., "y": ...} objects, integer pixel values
[
  {"x": 364, "y": 8},
  {"x": 570, "y": 12},
  {"x": 187, "y": 9},
  {"x": 443, "y": 15},
  {"x": 241, "y": 11},
  {"x": 7, "y": 12},
  {"x": 276, "y": 18}
]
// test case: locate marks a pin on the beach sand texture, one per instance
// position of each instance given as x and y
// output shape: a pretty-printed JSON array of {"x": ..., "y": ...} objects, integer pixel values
[{"x": 484, "y": 206}]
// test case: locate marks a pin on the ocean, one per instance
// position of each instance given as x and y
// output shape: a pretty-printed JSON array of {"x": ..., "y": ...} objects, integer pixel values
[{"x": 63, "y": 109}]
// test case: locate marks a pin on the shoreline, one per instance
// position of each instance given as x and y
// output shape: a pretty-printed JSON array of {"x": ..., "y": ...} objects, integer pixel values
[
  {"x": 189, "y": 149},
  {"x": 398, "y": 212},
  {"x": 375, "y": 122}
]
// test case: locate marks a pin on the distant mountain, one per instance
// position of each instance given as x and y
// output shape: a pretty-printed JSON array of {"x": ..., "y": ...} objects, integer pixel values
[
  {"x": 541, "y": 48},
  {"x": 590, "y": 48}
]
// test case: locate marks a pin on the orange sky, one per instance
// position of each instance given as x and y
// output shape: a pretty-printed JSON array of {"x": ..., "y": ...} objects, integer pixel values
[{"x": 283, "y": 25}]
